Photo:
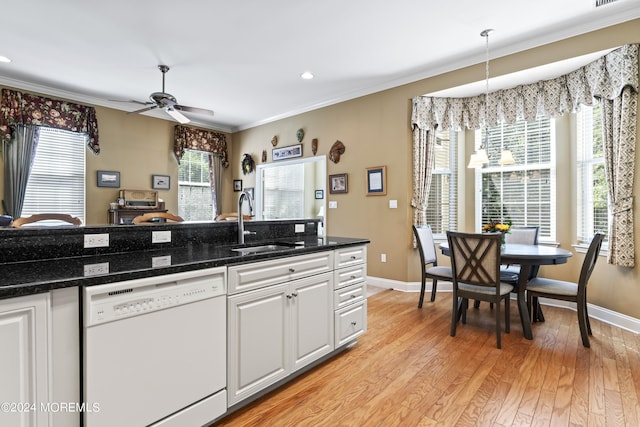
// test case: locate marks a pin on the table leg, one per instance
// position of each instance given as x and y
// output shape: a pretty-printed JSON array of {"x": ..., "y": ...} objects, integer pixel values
[{"x": 522, "y": 302}]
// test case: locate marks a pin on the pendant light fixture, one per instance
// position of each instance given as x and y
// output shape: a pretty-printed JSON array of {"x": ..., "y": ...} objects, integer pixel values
[{"x": 480, "y": 157}]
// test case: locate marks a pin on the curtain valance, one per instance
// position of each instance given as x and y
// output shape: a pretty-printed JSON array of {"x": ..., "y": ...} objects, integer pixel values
[
  {"x": 199, "y": 139},
  {"x": 23, "y": 108},
  {"x": 605, "y": 78}
]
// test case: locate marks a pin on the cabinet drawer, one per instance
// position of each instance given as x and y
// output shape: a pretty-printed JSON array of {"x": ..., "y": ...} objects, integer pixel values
[
  {"x": 349, "y": 295},
  {"x": 264, "y": 273},
  {"x": 350, "y": 322},
  {"x": 349, "y": 275},
  {"x": 350, "y": 256}
]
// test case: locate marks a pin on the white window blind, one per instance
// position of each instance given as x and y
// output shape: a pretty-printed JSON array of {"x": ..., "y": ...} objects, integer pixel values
[
  {"x": 593, "y": 212},
  {"x": 443, "y": 193},
  {"x": 283, "y": 192},
  {"x": 194, "y": 190},
  {"x": 523, "y": 193},
  {"x": 57, "y": 179}
]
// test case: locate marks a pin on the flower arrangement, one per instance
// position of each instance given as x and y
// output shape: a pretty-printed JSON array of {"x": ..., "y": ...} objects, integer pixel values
[{"x": 495, "y": 226}]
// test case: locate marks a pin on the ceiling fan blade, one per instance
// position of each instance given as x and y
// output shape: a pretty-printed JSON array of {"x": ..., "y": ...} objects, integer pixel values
[
  {"x": 193, "y": 109},
  {"x": 132, "y": 101},
  {"x": 178, "y": 116},
  {"x": 142, "y": 110}
]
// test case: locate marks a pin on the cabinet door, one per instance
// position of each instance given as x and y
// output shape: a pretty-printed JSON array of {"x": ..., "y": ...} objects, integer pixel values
[
  {"x": 258, "y": 340},
  {"x": 312, "y": 318},
  {"x": 23, "y": 360}
]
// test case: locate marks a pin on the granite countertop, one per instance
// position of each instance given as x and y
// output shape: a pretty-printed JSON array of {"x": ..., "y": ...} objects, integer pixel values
[{"x": 30, "y": 277}]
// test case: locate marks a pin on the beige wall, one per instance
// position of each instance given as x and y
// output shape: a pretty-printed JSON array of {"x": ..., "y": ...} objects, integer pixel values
[{"x": 376, "y": 131}]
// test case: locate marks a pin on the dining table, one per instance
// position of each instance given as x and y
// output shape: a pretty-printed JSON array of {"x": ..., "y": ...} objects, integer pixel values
[{"x": 527, "y": 256}]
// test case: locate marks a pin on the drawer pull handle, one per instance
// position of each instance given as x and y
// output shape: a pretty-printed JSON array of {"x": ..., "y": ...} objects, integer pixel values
[
  {"x": 353, "y": 323},
  {"x": 292, "y": 270},
  {"x": 354, "y": 277},
  {"x": 354, "y": 296},
  {"x": 354, "y": 257}
]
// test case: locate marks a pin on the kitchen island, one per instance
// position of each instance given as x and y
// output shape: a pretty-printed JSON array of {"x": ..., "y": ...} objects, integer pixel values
[{"x": 36, "y": 272}]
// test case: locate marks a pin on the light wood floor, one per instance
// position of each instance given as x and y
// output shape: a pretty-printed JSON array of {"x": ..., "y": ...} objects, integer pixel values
[{"x": 407, "y": 371}]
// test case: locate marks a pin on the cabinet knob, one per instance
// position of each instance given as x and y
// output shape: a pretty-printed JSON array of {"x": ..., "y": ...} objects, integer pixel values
[
  {"x": 289, "y": 296},
  {"x": 353, "y": 323},
  {"x": 295, "y": 294},
  {"x": 354, "y": 277},
  {"x": 292, "y": 270},
  {"x": 354, "y": 296},
  {"x": 354, "y": 257}
]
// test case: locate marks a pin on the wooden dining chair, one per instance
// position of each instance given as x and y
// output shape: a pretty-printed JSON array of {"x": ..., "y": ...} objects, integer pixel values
[
  {"x": 156, "y": 216},
  {"x": 569, "y": 291},
  {"x": 429, "y": 262},
  {"x": 475, "y": 261},
  {"x": 72, "y": 220}
]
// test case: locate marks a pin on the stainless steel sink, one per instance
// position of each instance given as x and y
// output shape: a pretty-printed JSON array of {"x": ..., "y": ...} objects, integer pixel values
[{"x": 262, "y": 248}]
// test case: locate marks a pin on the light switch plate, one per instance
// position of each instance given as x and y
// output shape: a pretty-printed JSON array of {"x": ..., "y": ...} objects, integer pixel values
[
  {"x": 393, "y": 204},
  {"x": 333, "y": 205}
]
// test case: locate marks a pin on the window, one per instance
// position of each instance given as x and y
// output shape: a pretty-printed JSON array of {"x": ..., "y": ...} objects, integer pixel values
[
  {"x": 194, "y": 190},
  {"x": 442, "y": 202},
  {"x": 593, "y": 212},
  {"x": 57, "y": 179},
  {"x": 523, "y": 193},
  {"x": 283, "y": 192}
]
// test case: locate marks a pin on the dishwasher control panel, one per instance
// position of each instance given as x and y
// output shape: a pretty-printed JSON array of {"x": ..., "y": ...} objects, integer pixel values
[{"x": 115, "y": 301}]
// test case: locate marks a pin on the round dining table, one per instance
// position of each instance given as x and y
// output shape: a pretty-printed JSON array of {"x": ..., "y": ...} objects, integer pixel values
[{"x": 526, "y": 256}]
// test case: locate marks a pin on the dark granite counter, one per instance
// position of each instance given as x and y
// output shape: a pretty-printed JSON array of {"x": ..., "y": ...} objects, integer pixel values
[{"x": 41, "y": 275}]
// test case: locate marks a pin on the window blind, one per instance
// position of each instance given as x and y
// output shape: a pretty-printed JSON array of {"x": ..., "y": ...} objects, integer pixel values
[
  {"x": 194, "y": 190},
  {"x": 57, "y": 179},
  {"x": 523, "y": 193},
  {"x": 443, "y": 194},
  {"x": 283, "y": 192}
]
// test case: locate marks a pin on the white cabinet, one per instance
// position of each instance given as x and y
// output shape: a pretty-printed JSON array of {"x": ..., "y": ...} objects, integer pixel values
[
  {"x": 276, "y": 330},
  {"x": 24, "y": 360},
  {"x": 350, "y": 295}
]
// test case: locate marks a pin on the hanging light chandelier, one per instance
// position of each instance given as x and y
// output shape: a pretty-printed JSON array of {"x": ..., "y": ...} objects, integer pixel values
[{"x": 480, "y": 157}]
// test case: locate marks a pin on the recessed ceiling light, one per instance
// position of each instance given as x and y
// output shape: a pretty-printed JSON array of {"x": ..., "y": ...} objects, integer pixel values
[
  {"x": 307, "y": 75},
  {"x": 4, "y": 59}
]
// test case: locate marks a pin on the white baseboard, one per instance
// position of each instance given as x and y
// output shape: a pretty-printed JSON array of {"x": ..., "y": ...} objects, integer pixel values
[{"x": 603, "y": 314}]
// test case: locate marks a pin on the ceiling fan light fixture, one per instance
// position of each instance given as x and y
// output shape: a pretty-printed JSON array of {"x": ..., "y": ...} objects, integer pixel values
[
  {"x": 181, "y": 118},
  {"x": 307, "y": 75}
]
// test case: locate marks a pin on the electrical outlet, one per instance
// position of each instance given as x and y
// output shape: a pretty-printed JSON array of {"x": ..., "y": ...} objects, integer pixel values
[
  {"x": 393, "y": 204},
  {"x": 96, "y": 240},
  {"x": 299, "y": 228},
  {"x": 161, "y": 261},
  {"x": 96, "y": 269},
  {"x": 383, "y": 257},
  {"x": 161, "y": 236}
]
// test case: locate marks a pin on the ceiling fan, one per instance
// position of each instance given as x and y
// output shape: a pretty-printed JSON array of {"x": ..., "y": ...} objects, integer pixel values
[{"x": 168, "y": 103}]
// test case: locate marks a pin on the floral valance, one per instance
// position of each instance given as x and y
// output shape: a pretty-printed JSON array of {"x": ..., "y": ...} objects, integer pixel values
[
  {"x": 602, "y": 78},
  {"x": 199, "y": 139},
  {"x": 23, "y": 108}
]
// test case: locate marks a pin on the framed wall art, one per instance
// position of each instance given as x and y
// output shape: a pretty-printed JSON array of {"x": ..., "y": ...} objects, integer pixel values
[
  {"x": 338, "y": 183},
  {"x": 377, "y": 181},
  {"x": 237, "y": 185},
  {"x": 109, "y": 179},
  {"x": 287, "y": 152},
  {"x": 319, "y": 194},
  {"x": 161, "y": 182}
]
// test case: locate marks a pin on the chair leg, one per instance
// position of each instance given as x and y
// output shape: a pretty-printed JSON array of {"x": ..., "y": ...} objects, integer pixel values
[
  {"x": 464, "y": 305},
  {"x": 476, "y": 304},
  {"x": 454, "y": 315},
  {"x": 434, "y": 286},
  {"x": 422, "y": 292},
  {"x": 498, "y": 327},
  {"x": 582, "y": 323},
  {"x": 586, "y": 316},
  {"x": 507, "y": 314}
]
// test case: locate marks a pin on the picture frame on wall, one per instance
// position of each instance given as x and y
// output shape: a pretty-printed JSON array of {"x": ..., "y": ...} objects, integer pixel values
[
  {"x": 237, "y": 185},
  {"x": 109, "y": 179},
  {"x": 338, "y": 183},
  {"x": 287, "y": 152},
  {"x": 161, "y": 182},
  {"x": 377, "y": 181},
  {"x": 319, "y": 194}
]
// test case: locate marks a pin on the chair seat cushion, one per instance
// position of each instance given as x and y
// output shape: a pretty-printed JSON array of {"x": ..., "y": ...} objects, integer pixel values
[
  {"x": 440, "y": 272},
  {"x": 550, "y": 286},
  {"x": 509, "y": 276},
  {"x": 505, "y": 288}
]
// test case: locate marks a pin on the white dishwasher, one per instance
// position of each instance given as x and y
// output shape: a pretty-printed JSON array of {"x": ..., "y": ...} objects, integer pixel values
[{"x": 154, "y": 350}]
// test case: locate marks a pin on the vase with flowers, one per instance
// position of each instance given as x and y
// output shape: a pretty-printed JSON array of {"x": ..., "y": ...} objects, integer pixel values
[{"x": 495, "y": 226}]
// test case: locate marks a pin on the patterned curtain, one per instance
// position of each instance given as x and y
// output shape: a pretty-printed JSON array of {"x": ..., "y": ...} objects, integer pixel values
[
  {"x": 215, "y": 181},
  {"x": 199, "y": 139},
  {"x": 18, "y": 155},
  {"x": 23, "y": 108},
  {"x": 619, "y": 122},
  {"x": 612, "y": 77}
]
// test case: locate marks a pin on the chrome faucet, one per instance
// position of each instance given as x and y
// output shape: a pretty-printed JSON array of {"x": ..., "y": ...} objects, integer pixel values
[{"x": 241, "y": 232}]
